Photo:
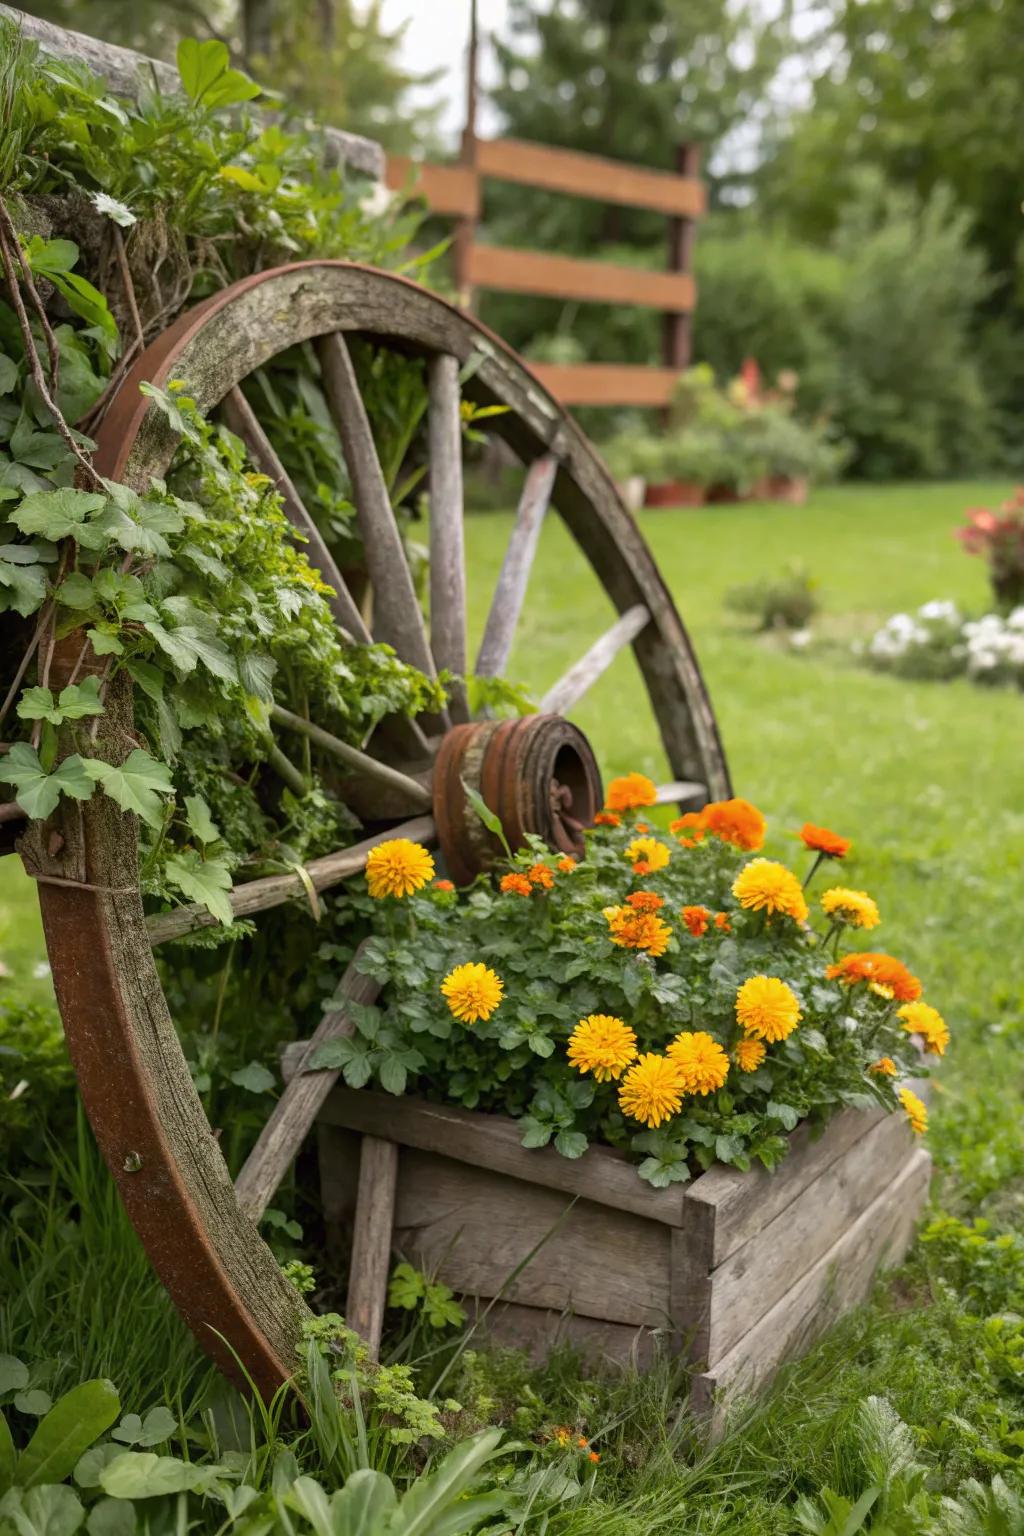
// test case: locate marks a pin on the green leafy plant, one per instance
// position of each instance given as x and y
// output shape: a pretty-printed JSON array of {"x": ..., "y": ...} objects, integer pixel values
[
  {"x": 789, "y": 601},
  {"x": 411, "y": 1291}
]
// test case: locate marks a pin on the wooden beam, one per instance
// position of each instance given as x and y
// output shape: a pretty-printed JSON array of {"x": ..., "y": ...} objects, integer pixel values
[
  {"x": 447, "y": 555},
  {"x": 371, "y": 1240},
  {"x": 446, "y": 189},
  {"x": 595, "y": 176},
  {"x": 507, "y": 602},
  {"x": 275, "y": 890},
  {"x": 607, "y": 383},
  {"x": 360, "y": 762},
  {"x": 582, "y": 676},
  {"x": 567, "y": 277}
]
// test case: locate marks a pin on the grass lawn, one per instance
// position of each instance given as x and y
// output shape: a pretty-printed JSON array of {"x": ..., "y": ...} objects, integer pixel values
[{"x": 927, "y": 780}]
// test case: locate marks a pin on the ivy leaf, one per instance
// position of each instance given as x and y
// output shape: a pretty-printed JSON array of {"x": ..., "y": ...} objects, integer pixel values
[
  {"x": 104, "y": 642},
  {"x": 406, "y": 1288},
  {"x": 76, "y": 701},
  {"x": 136, "y": 785},
  {"x": 38, "y": 791},
  {"x": 186, "y": 647},
  {"x": 22, "y": 587},
  {"x": 205, "y": 881},
  {"x": 197, "y": 814},
  {"x": 142, "y": 525},
  {"x": 149, "y": 678},
  {"x": 254, "y": 1078},
  {"x": 63, "y": 514}
]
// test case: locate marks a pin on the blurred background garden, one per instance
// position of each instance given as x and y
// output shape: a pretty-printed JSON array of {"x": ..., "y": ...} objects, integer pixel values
[{"x": 850, "y": 567}]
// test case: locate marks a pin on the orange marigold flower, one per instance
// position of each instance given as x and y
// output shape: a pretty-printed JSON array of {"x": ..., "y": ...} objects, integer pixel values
[
  {"x": 924, "y": 1020},
  {"x": 540, "y": 874},
  {"x": 722, "y": 922},
  {"x": 690, "y": 821},
  {"x": 696, "y": 920},
  {"x": 767, "y": 1008},
  {"x": 735, "y": 821},
  {"x": 603, "y": 1045},
  {"x": 882, "y": 969},
  {"x": 583, "y": 1443},
  {"x": 765, "y": 886},
  {"x": 916, "y": 1111},
  {"x": 443, "y": 885},
  {"x": 884, "y": 1067},
  {"x": 593, "y": 1456},
  {"x": 515, "y": 884},
  {"x": 749, "y": 1054},
  {"x": 702, "y": 1063},
  {"x": 821, "y": 840},
  {"x": 567, "y": 865},
  {"x": 637, "y": 930},
  {"x": 651, "y": 1090},
  {"x": 630, "y": 792},
  {"x": 645, "y": 901},
  {"x": 649, "y": 852},
  {"x": 607, "y": 819},
  {"x": 397, "y": 868}
]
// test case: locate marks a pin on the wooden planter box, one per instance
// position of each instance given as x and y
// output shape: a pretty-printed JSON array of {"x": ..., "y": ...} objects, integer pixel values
[{"x": 739, "y": 1270}]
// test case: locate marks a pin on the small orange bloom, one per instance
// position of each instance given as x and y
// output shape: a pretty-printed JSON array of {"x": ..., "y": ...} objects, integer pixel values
[
  {"x": 884, "y": 1067},
  {"x": 722, "y": 922},
  {"x": 696, "y": 919},
  {"x": 630, "y": 792},
  {"x": 821, "y": 840},
  {"x": 642, "y": 826},
  {"x": 583, "y": 1443},
  {"x": 607, "y": 819},
  {"x": 515, "y": 884},
  {"x": 443, "y": 885},
  {"x": 637, "y": 930},
  {"x": 735, "y": 821},
  {"x": 593, "y": 1456},
  {"x": 883, "y": 969},
  {"x": 540, "y": 874},
  {"x": 645, "y": 901},
  {"x": 691, "y": 821},
  {"x": 567, "y": 865}
]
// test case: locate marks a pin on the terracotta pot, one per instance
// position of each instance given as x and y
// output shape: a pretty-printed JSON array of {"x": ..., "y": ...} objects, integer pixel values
[
  {"x": 674, "y": 493},
  {"x": 789, "y": 488},
  {"x": 723, "y": 495}
]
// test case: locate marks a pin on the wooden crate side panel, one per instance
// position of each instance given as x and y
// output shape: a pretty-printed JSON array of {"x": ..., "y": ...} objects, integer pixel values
[
  {"x": 840, "y": 1279},
  {"x": 746, "y": 1202},
  {"x": 473, "y": 1228},
  {"x": 495, "y": 1142},
  {"x": 539, "y": 1330},
  {"x": 755, "y": 1276}
]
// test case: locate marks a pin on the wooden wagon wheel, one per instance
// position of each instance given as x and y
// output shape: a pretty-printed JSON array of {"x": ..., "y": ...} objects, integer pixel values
[{"x": 538, "y": 773}]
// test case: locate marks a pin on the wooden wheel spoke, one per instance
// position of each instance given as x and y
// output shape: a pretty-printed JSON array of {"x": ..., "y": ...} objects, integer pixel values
[
  {"x": 571, "y": 687},
  {"x": 275, "y": 890},
  {"x": 242, "y": 420},
  {"x": 447, "y": 556},
  {"x": 397, "y": 617},
  {"x": 507, "y": 603},
  {"x": 361, "y": 762},
  {"x": 299, "y": 1104},
  {"x": 682, "y": 791}
]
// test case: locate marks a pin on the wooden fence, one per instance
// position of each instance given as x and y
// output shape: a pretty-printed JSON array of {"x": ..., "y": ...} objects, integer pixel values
[{"x": 455, "y": 191}]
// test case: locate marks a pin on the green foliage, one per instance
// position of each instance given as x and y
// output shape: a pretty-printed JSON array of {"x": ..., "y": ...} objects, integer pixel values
[
  {"x": 789, "y": 601},
  {"x": 411, "y": 1291}
]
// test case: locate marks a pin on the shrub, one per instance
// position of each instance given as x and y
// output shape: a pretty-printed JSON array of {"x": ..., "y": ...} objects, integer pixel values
[
  {"x": 999, "y": 539},
  {"x": 938, "y": 642},
  {"x": 786, "y": 602}
]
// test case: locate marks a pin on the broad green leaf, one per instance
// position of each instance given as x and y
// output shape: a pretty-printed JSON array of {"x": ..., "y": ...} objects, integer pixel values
[
  {"x": 243, "y": 178},
  {"x": 22, "y": 587},
  {"x": 143, "y": 524},
  {"x": 486, "y": 815},
  {"x": 76, "y": 591},
  {"x": 254, "y": 1077},
  {"x": 158, "y": 1425},
  {"x": 63, "y": 514},
  {"x": 88, "y": 302},
  {"x": 50, "y": 1511},
  {"x": 571, "y": 1143},
  {"x": 13, "y": 1374},
  {"x": 76, "y": 701},
  {"x": 34, "y": 1403},
  {"x": 111, "y": 1517},
  {"x": 197, "y": 814},
  {"x": 104, "y": 642},
  {"x": 136, "y": 785},
  {"x": 89, "y": 1465},
  {"x": 70, "y": 1427},
  {"x": 206, "y": 881},
  {"x": 206, "y": 77},
  {"x": 406, "y": 1287},
  {"x": 51, "y": 257},
  {"x": 144, "y": 1475},
  {"x": 38, "y": 791},
  {"x": 365, "y": 1505},
  {"x": 7, "y": 1455},
  {"x": 186, "y": 646},
  {"x": 432, "y": 1503},
  {"x": 8, "y": 374},
  {"x": 149, "y": 678}
]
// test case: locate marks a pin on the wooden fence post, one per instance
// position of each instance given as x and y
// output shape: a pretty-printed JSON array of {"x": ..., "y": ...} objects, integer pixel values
[
  {"x": 682, "y": 234},
  {"x": 465, "y": 230}
]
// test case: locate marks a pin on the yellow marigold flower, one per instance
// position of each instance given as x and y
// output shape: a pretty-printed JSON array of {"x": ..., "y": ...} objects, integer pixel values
[
  {"x": 916, "y": 1111},
  {"x": 540, "y": 874},
  {"x": 473, "y": 992},
  {"x": 567, "y": 865},
  {"x": 880, "y": 990},
  {"x": 884, "y": 1067},
  {"x": 921, "y": 1019},
  {"x": 651, "y": 1090},
  {"x": 602, "y": 1044},
  {"x": 767, "y": 1008},
  {"x": 515, "y": 884},
  {"x": 853, "y": 907},
  {"x": 648, "y": 852},
  {"x": 749, "y": 1054},
  {"x": 629, "y": 792},
  {"x": 562, "y": 1435},
  {"x": 765, "y": 886},
  {"x": 637, "y": 930},
  {"x": 703, "y": 1064},
  {"x": 398, "y": 868}
]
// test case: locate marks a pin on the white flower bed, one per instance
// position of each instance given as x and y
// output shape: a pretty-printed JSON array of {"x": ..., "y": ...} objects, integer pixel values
[{"x": 938, "y": 641}]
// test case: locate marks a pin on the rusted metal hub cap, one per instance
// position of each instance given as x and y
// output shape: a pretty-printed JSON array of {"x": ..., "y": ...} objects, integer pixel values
[{"x": 538, "y": 775}]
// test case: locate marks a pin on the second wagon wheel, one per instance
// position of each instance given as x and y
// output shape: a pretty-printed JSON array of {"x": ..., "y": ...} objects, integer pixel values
[{"x": 537, "y": 773}]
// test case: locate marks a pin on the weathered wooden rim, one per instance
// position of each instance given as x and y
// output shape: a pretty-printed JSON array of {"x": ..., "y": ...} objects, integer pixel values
[{"x": 150, "y": 1124}]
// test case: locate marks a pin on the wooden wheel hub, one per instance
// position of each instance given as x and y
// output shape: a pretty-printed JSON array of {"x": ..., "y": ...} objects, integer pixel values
[{"x": 538, "y": 775}]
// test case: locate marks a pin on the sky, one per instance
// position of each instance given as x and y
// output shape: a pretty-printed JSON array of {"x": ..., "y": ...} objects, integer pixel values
[{"x": 436, "y": 38}]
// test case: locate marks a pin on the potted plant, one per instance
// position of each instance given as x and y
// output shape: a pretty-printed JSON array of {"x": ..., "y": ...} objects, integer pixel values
[{"x": 999, "y": 538}]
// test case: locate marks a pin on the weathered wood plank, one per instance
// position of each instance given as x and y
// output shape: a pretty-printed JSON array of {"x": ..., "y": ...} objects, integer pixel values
[
  {"x": 396, "y": 611},
  {"x": 539, "y": 1330},
  {"x": 513, "y": 270},
  {"x": 126, "y": 72},
  {"x": 474, "y": 1229},
  {"x": 840, "y": 1279},
  {"x": 447, "y": 555},
  {"x": 299, "y": 1104},
  {"x": 583, "y": 674},
  {"x": 756, "y": 1275},
  {"x": 372, "y": 1240},
  {"x": 275, "y": 890},
  {"x": 507, "y": 602},
  {"x": 596, "y": 176},
  {"x": 681, "y": 792},
  {"x": 361, "y": 762},
  {"x": 243, "y": 421},
  {"x": 636, "y": 384},
  {"x": 494, "y": 1142}
]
